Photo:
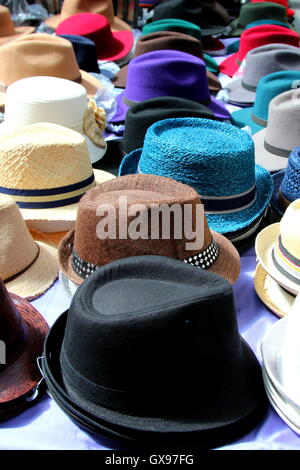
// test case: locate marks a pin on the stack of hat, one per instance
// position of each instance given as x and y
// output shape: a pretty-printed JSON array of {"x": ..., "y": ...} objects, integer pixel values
[
  {"x": 281, "y": 367},
  {"x": 277, "y": 249}
]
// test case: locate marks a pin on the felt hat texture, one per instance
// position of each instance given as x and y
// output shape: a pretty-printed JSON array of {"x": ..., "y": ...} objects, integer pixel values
[
  {"x": 167, "y": 73},
  {"x": 85, "y": 52},
  {"x": 82, "y": 251},
  {"x": 203, "y": 153},
  {"x": 147, "y": 404},
  {"x": 8, "y": 31}
]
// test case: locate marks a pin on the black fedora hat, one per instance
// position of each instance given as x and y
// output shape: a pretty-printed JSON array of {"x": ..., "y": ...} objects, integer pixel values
[
  {"x": 209, "y": 15},
  {"x": 142, "y": 115},
  {"x": 158, "y": 359},
  {"x": 85, "y": 52}
]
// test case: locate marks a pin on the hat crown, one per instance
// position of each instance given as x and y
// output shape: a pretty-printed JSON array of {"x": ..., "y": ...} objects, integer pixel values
[
  {"x": 45, "y": 99},
  {"x": 256, "y": 11},
  {"x": 140, "y": 116},
  {"x": 290, "y": 229},
  {"x": 268, "y": 59},
  {"x": 85, "y": 52},
  {"x": 180, "y": 74},
  {"x": 175, "y": 25},
  {"x": 18, "y": 249},
  {"x": 44, "y": 160},
  {"x": 164, "y": 307},
  {"x": 270, "y": 86},
  {"x": 122, "y": 195},
  {"x": 6, "y": 23},
  {"x": 197, "y": 152},
  {"x": 101, "y": 7},
  {"x": 38, "y": 54},
  {"x": 290, "y": 186},
  {"x": 282, "y": 133},
  {"x": 265, "y": 34},
  {"x": 9, "y": 317},
  {"x": 168, "y": 40}
]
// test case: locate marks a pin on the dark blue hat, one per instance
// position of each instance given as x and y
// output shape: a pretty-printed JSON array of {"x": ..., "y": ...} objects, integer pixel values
[
  {"x": 287, "y": 183},
  {"x": 85, "y": 51}
]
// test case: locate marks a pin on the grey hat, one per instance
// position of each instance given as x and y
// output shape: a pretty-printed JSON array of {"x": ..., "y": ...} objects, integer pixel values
[
  {"x": 260, "y": 62},
  {"x": 274, "y": 143}
]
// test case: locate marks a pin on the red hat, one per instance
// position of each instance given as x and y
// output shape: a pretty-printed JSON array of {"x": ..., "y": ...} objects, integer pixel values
[
  {"x": 256, "y": 37},
  {"x": 110, "y": 45},
  {"x": 284, "y": 3}
]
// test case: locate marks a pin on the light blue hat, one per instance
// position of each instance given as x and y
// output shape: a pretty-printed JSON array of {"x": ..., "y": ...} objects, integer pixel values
[{"x": 215, "y": 158}]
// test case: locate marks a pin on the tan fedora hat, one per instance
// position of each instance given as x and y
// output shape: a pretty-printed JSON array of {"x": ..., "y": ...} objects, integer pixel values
[
  {"x": 82, "y": 250},
  {"x": 278, "y": 249},
  {"x": 46, "y": 169},
  {"x": 8, "y": 31},
  {"x": 274, "y": 143},
  {"x": 28, "y": 267},
  {"x": 101, "y": 7},
  {"x": 275, "y": 297},
  {"x": 42, "y": 54}
]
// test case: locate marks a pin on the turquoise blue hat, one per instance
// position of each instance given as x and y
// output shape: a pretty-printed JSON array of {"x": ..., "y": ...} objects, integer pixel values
[
  {"x": 287, "y": 183},
  {"x": 256, "y": 117},
  {"x": 216, "y": 159}
]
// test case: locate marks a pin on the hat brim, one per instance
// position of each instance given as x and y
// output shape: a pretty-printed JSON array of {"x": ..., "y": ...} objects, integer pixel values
[
  {"x": 202, "y": 426},
  {"x": 229, "y": 66},
  {"x": 263, "y": 246},
  {"x": 263, "y": 157},
  {"x": 235, "y": 30},
  {"x": 242, "y": 118},
  {"x": 238, "y": 95},
  {"x": 217, "y": 107},
  {"x": 277, "y": 180},
  {"x": 41, "y": 275},
  {"x": 23, "y": 375},
  {"x": 227, "y": 222},
  {"x": 226, "y": 265},
  {"x": 19, "y": 31},
  {"x": 214, "y": 46},
  {"x": 120, "y": 80},
  {"x": 277, "y": 299},
  {"x": 59, "y": 218},
  {"x": 213, "y": 30},
  {"x": 116, "y": 25},
  {"x": 122, "y": 45}
]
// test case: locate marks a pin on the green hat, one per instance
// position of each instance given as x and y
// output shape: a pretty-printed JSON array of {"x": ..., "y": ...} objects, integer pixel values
[
  {"x": 185, "y": 27},
  {"x": 251, "y": 12},
  {"x": 256, "y": 117}
]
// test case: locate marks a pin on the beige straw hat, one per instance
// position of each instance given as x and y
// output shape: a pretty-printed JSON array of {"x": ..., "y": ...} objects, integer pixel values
[
  {"x": 277, "y": 299},
  {"x": 27, "y": 267},
  {"x": 101, "y": 7},
  {"x": 46, "y": 169},
  {"x": 42, "y": 54},
  {"x": 278, "y": 249},
  {"x": 274, "y": 143},
  {"x": 8, "y": 31},
  {"x": 50, "y": 99}
]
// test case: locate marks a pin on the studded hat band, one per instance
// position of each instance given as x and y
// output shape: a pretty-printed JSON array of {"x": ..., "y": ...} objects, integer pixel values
[{"x": 203, "y": 260}]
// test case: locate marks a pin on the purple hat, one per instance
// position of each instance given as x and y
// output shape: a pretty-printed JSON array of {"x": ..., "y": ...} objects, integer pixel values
[{"x": 167, "y": 73}]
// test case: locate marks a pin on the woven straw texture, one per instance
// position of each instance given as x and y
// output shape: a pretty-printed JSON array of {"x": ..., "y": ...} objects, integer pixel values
[
  {"x": 215, "y": 158},
  {"x": 146, "y": 190},
  {"x": 290, "y": 186},
  {"x": 19, "y": 252}
]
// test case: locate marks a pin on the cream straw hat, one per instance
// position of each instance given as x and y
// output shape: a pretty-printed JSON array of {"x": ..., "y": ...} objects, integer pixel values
[
  {"x": 46, "y": 169},
  {"x": 50, "y": 99},
  {"x": 278, "y": 249},
  {"x": 27, "y": 267}
]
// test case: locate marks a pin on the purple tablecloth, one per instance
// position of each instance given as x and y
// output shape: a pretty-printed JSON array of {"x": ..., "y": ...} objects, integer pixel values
[{"x": 46, "y": 427}]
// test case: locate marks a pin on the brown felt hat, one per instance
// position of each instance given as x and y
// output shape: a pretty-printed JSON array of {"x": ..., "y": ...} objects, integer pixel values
[
  {"x": 82, "y": 251},
  {"x": 39, "y": 55},
  {"x": 101, "y": 7},
  {"x": 168, "y": 40},
  {"x": 22, "y": 333},
  {"x": 8, "y": 31}
]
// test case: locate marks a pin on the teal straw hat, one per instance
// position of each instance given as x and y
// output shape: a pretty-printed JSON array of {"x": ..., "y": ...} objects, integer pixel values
[
  {"x": 216, "y": 159},
  {"x": 256, "y": 117},
  {"x": 185, "y": 27}
]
